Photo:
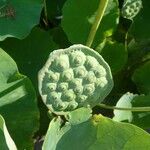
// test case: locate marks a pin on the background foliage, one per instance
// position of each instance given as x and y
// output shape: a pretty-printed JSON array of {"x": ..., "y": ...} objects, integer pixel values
[{"x": 32, "y": 30}]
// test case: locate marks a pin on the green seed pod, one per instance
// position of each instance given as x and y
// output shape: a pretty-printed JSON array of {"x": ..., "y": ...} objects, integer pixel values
[
  {"x": 131, "y": 8},
  {"x": 74, "y": 77}
]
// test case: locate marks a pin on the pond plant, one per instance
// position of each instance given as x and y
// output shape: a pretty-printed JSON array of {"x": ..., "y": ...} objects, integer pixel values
[{"x": 74, "y": 75}]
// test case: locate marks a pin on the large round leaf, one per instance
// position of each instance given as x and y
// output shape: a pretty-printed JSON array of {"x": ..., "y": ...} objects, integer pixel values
[
  {"x": 141, "y": 119},
  {"x": 30, "y": 55},
  {"x": 78, "y": 17},
  {"x": 17, "y": 103},
  {"x": 31, "y": 52},
  {"x": 97, "y": 133},
  {"x": 141, "y": 78},
  {"x": 54, "y": 132},
  {"x": 25, "y": 14},
  {"x": 6, "y": 141},
  {"x": 115, "y": 55}
]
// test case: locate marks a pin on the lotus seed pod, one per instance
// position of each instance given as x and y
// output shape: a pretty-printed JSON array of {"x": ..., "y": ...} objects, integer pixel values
[
  {"x": 74, "y": 77},
  {"x": 131, "y": 8}
]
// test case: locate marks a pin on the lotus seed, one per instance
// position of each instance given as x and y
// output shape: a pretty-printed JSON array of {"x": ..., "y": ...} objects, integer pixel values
[
  {"x": 63, "y": 86},
  {"x": 75, "y": 83},
  {"x": 137, "y": 4},
  {"x": 89, "y": 89},
  {"x": 60, "y": 105},
  {"x": 67, "y": 75},
  {"x": 68, "y": 95},
  {"x": 53, "y": 77},
  {"x": 77, "y": 58},
  {"x": 51, "y": 86},
  {"x": 54, "y": 96},
  {"x": 101, "y": 82},
  {"x": 91, "y": 62},
  {"x": 78, "y": 90},
  {"x": 80, "y": 72},
  {"x": 99, "y": 71},
  {"x": 60, "y": 63},
  {"x": 72, "y": 105},
  {"x": 81, "y": 98},
  {"x": 90, "y": 78}
]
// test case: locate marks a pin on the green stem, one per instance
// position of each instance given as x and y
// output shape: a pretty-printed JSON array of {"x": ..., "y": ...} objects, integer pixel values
[
  {"x": 100, "y": 12},
  {"x": 138, "y": 109},
  {"x": 45, "y": 11}
]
